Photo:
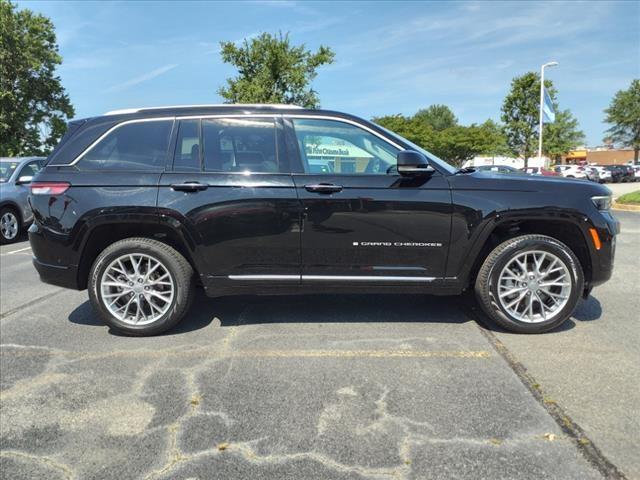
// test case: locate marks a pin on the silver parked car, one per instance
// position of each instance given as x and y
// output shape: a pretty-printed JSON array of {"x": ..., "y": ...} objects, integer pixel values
[{"x": 15, "y": 177}]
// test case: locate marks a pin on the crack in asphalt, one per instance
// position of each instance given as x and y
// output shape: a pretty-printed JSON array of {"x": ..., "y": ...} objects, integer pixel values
[
  {"x": 61, "y": 467},
  {"x": 30, "y": 303}
]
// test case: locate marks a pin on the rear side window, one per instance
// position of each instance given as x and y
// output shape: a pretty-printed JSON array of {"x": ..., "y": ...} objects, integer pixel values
[
  {"x": 30, "y": 169},
  {"x": 187, "y": 155},
  {"x": 240, "y": 145},
  {"x": 133, "y": 146}
]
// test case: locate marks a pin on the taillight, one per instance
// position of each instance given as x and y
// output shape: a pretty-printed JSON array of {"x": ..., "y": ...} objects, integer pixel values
[{"x": 49, "y": 188}]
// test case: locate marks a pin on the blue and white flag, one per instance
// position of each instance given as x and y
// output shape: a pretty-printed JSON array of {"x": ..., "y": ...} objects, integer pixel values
[{"x": 549, "y": 115}]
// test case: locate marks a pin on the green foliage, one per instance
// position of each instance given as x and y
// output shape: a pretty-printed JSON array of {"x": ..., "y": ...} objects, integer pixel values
[
  {"x": 455, "y": 144},
  {"x": 624, "y": 116},
  {"x": 521, "y": 113},
  {"x": 33, "y": 104},
  {"x": 438, "y": 117},
  {"x": 562, "y": 135},
  {"x": 521, "y": 117},
  {"x": 490, "y": 139},
  {"x": 271, "y": 70},
  {"x": 408, "y": 127},
  {"x": 632, "y": 198}
]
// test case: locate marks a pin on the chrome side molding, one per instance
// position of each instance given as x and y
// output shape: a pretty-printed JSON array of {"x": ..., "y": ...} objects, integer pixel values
[{"x": 333, "y": 278}]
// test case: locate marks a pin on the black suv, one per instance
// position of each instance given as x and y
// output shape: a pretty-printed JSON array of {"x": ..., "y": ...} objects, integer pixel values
[{"x": 140, "y": 206}]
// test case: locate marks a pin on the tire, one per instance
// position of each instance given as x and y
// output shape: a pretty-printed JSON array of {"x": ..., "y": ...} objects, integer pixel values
[
  {"x": 170, "y": 286},
  {"x": 10, "y": 225},
  {"x": 488, "y": 284}
]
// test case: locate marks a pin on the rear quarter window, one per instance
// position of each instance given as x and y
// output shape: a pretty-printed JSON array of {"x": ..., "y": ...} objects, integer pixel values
[{"x": 140, "y": 146}]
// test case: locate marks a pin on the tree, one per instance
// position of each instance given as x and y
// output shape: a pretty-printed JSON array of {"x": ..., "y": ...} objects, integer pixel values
[
  {"x": 562, "y": 135},
  {"x": 520, "y": 113},
  {"x": 455, "y": 144},
  {"x": 624, "y": 116},
  {"x": 271, "y": 70},
  {"x": 33, "y": 104},
  {"x": 417, "y": 132},
  {"x": 490, "y": 139},
  {"x": 438, "y": 117}
]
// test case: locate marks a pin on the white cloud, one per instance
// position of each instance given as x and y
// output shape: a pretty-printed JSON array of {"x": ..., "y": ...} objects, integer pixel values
[{"x": 141, "y": 78}]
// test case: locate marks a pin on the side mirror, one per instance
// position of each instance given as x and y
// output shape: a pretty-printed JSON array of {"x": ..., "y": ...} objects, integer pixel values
[
  {"x": 412, "y": 163},
  {"x": 24, "y": 179}
]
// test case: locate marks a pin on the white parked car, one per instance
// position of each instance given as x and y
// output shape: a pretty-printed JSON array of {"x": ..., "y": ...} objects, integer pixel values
[
  {"x": 572, "y": 171},
  {"x": 605, "y": 175}
]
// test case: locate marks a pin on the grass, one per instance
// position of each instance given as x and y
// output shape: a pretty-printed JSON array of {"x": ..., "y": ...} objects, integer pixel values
[{"x": 631, "y": 198}]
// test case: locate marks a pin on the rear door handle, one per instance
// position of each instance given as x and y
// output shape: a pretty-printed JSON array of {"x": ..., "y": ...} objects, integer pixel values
[
  {"x": 189, "y": 186},
  {"x": 323, "y": 188}
]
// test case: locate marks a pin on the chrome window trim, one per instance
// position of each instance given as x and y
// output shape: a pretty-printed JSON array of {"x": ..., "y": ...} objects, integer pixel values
[
  {"x": 105, "y": 134},
  {"x": 235, "y": 115}
]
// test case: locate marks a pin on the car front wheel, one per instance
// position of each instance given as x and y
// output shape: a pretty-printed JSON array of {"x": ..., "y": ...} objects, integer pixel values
[
  {"x": 141, "y": 286},
  {"x": 530, "y": 284}
]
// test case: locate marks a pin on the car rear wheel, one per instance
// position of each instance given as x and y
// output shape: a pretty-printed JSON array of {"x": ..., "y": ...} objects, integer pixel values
[
  {"x": 530, "y": 284},
  {"x": 141, "y": 286},
  {"x": 9, "y": 225}
]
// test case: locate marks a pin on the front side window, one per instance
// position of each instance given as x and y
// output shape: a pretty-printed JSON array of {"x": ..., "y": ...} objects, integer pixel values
[
  {"x": 240, "y": 145},
  {"x": 334, "y": 147},
  {"x": 6, "y": 170},
  {"x": 132, "y": 146}
]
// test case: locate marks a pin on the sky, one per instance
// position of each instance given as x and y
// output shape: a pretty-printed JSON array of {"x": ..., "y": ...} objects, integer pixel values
[{"x": 391, "y": 57}]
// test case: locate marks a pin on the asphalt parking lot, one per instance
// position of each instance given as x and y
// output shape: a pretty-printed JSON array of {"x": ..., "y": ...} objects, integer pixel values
[{"x": 351, "y": 386}]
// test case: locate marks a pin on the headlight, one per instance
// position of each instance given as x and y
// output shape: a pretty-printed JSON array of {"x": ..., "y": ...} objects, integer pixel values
[{"x": 602, "y": 203}]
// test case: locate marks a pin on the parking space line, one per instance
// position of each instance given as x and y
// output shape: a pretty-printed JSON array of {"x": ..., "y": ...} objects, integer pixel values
[
  {"x": 15, "y": 251},
  {"x": 362, "y": 353},
  {"x": 464, "y": 354}
]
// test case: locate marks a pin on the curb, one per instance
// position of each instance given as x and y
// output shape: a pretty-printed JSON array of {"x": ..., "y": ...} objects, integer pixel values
[{"x": 625, "y": 207}]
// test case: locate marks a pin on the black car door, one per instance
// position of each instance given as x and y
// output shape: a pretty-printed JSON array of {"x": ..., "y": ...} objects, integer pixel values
[
  {"x": 231, "y": 192},
  {"x": 363, "y": 222}
]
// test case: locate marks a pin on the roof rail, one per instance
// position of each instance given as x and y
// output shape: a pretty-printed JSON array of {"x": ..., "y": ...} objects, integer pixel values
[{"x": 220, "y": 105}]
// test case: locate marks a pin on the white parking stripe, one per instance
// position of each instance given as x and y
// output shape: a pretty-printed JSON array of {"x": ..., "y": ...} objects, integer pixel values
[{"x": 15, "y": 251}]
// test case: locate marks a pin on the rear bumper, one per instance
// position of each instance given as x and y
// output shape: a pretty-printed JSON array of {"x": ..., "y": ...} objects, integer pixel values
[
  {"x": 51, "y": 266},
  {"x": 57, "y": 275}
]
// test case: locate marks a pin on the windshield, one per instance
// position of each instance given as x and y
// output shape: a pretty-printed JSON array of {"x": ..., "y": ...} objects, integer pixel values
[
  {"x": 432, "y": 158},
  {"x": 6, "y": 170}
]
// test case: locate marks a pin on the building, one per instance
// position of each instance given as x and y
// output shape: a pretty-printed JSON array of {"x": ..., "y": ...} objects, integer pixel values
[
  {"x": 479, "y": 161},
  {"x": 599, "y": 156}
]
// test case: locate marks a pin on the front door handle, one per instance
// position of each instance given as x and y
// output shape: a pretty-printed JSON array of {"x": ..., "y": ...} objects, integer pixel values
[
  {"x": 323, "y": 188},
  {"x": 189, "y": 186}
]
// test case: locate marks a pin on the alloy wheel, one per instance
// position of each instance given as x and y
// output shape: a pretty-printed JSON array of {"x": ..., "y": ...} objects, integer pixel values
[
  {"x": 9, "y": 225},
  {"x": 534, "y": 286},
  {"x": 137, "y": 289}
]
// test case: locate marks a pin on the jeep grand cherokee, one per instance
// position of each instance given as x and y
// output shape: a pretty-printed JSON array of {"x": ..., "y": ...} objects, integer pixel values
[{"x": 141, "y": 205}]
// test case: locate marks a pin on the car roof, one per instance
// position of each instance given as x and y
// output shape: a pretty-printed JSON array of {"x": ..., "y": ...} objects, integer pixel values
[
  {"x": 220, "y": 106},
  {"x": 20, "y": 159},
  {"x": 117, "y": 116}
]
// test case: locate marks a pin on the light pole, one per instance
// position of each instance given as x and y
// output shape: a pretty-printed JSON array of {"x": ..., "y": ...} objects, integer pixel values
[{"x": 550, "y": 64}]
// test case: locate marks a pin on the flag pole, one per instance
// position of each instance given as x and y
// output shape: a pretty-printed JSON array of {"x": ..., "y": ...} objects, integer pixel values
[{"x": 550, "y": 64}]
